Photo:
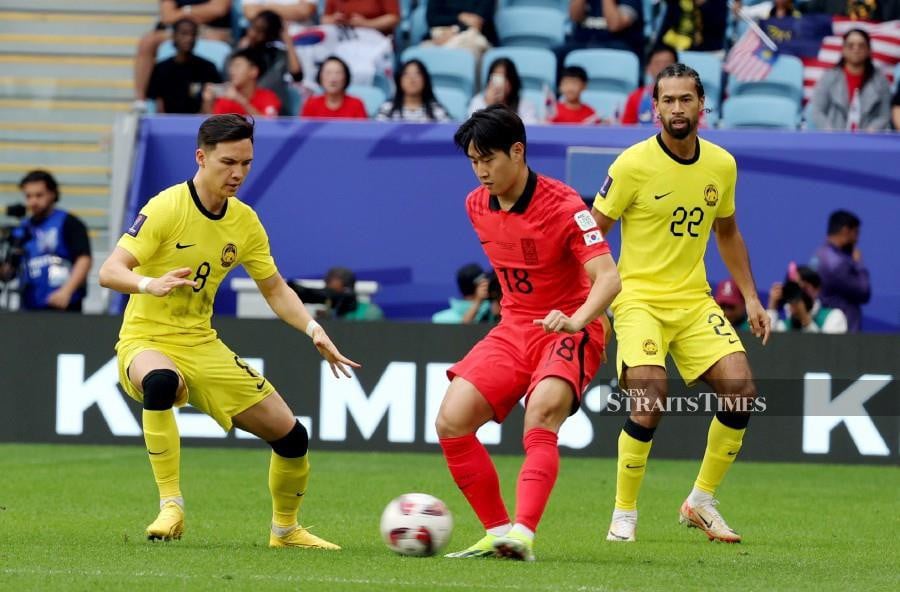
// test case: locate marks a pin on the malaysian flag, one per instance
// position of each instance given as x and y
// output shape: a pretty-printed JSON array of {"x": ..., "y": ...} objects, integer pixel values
[{"x": 750, "y": 59}]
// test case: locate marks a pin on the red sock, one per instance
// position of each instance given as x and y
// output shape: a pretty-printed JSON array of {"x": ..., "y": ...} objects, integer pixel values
[
  {"x": 537, "y": 477},
  {"x": 474, "y": 473}
]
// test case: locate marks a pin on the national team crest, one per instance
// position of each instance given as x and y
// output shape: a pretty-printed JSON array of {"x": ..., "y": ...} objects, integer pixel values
[
  {"x": 229, "y": 255},
  {"x": 711, "y": 195},
  {"x": 650, "y": 347}
]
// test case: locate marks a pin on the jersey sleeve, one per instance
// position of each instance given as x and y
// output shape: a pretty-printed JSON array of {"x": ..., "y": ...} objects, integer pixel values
[
  {"x": 258, "y": 259},
  {"x": 153, "y": 225},
  {"x": 727, "y": 207},
  {"x": 578, "y": 229},
  {"x": 617, "y": 191}
]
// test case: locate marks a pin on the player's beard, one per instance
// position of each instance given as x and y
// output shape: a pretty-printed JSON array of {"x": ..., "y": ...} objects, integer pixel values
[{"x": 680, "y": 134}]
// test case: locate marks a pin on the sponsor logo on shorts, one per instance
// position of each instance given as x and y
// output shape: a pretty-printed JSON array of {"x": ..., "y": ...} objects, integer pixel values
[
  {"x": 229, "y": 255},
  {"x": 711, "y": 195},
  {"x": 593, "y": 237},
  {"x": 584, "y": 220},
  {"x": 650, "y": 347},
  {"x": 136, "y": 225}
]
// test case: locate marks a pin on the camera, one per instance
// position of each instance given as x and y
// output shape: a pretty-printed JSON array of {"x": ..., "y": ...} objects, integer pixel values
[
  {"x": 13, "y": 238},
  {"x": 340, "y": 303}
]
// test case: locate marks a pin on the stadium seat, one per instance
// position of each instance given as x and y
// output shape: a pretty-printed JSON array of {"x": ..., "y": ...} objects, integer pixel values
[
  {"x": 614, "y": 70},
  {"x": 560, "y": 5},
  {"x": 784, "y": 80},
  {"x": 372, "y": 96},
  {"x": 418, "y": 26},
  {"x": 294, "y": 102},
  {"x": 216, "y": 52},
  {"x": 709, "y": 67},
  {"x": 808, "y": 123},
  {"x": 608, "y": 104},
  {"x": 760, "y": 111},
  {"x": 536, "y": 66},
  {"x": 455, "y": 101},
  {"x": 531, "y": 27},
  {"x": 539, "y": 99},
  {"x": 448, "y": 67},
  {"x": 896, "y": 78}
]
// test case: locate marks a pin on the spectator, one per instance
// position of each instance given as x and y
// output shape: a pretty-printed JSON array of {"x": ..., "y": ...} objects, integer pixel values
[
  {"x": 296, "y": 14},
  {"x": 280, "y": 66},
  {"x": 767, "y": 10},
  {"x": 845, "y": 279},
  {"x": 802, "y": 310},
  {"x": 570, "y": 109},
  {"x": 242, "y": 95},
  {"x": 731, "y": 301},
  {"x": 613, "y": 24},
  {"x": 695, "y": 25},
  {"x": 334, "y": 78},
  {"x": 213, "y": 16},
  {"x": 177, "y": 83},
  {"x": 895, "y": 109},
  {"x": 56, "y": 253},
  {"x": 639, "y": 105},
  {"x": 466, "y": 24},
  {"x": 874, "y": 10},
  {"x": 475, "y": 306},
  {"x": 853, "y": 95},
  {"x": 505, "y": 87},
  {"x": 414, "y": 101},
  {"x": 345, "y": 304},
  {"x": 381, "y": 15}
]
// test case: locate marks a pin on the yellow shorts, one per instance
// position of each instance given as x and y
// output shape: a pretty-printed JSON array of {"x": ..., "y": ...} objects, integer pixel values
[
  {"x": 697, "y": 336},
  {"x": 217, "y": 381}
]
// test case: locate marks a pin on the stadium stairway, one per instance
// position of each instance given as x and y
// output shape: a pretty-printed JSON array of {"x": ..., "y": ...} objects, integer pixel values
[{"x": 65, "y": 72}]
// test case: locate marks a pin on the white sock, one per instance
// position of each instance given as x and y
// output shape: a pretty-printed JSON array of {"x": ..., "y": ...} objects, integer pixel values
[
  {"x": 282, "y": 530},
  {"x": 523, "y": 530},
  {"x": 500, "y": 530},
  {"x": 177, "y": 500},
  {"x": 698, "y": 497},
  {"x": 617, "y": 512}
]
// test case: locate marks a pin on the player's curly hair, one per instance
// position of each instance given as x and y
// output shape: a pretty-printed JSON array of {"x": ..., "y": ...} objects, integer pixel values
[
  {"x": 678, "y": 70},
  {"x": 496, "y": 127},
  {"x": 224, "y": 128}
]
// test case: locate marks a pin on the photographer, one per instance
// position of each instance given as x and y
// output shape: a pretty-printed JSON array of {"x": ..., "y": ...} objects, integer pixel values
[
  {"x": 798, "y": 298},
  {"x": 339, "y": 297},
  {"x": 480, "y": 298},
  {"x": 50, "y": 251}
]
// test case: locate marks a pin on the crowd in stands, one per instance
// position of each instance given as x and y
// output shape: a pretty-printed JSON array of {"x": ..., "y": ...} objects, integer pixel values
[{"x": 385, "y": 60}]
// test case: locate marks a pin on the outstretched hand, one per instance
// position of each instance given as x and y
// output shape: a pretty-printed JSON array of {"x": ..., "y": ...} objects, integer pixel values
[
  {"x": 163, "y": 286},
  {"x": 557, "y": 321},
  {"x": 335, "y": 358}
]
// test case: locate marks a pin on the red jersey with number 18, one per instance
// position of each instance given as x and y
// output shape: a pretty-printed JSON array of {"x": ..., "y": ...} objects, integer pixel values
[{"x": 538, "y": 247}]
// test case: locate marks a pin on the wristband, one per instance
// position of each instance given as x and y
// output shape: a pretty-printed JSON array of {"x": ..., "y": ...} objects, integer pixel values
[
  {"x": 312, "y": 327},
  {"x": 142, "y": 285}
]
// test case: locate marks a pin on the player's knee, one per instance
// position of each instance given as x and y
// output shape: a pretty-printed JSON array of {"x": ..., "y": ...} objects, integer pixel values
[
  {"x": 294, "y": 445},
  {"x": 160, "y": 389}
]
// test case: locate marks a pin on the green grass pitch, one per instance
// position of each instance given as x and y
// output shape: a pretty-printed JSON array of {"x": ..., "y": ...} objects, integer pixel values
[{"x": 72, "y": 518}]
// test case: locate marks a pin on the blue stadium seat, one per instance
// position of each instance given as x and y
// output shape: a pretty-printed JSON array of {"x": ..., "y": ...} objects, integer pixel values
[
  {"x": 539, "y": 99},
  {"x": 607, "y": 104},
  {"x": 531, "y": 27},
  {"x": 760, "y": 111},
  {"x": 896, "y": 77},
  {"x": 294, "y": 102},
  {"x": 418, "y": 26},
  {"x": 613, "y": 70},
  {"x": 372, "y": 96},
  {"x": 560, "y": 5},
  {"x": 808, "y": 123},
  {"x": 536, "y": 66},
  {"x": 449, "y": 67},
  {"x": 216, "y": 52},
  {"x": 709, "y": 67},
  {"x": 455, "y": 101},
  {"x": 784, "y": 80}
]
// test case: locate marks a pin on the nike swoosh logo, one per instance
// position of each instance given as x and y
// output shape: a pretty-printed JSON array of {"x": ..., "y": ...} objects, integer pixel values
[
  {"x": 663, "y": 195},
  {"x": 300, "y": 493},
  {"x": 618, "y": 536},
  {"x": 260, "y": 385},
  {"x": 156, "y": 453},
  {"x": 181, "y": 246},
  {"x": 485, "y": 242},
  {"x": 732, "y": 453},
  {"x": 703, "y": 520},
  {"x": 634, "y": 466},
  {"x": 730, "y": 341}
]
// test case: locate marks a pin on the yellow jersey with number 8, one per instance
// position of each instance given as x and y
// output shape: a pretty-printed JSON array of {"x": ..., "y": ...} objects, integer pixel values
[
  {"x": 668, "y": 206},
  {"x": 173, "y": 230}
]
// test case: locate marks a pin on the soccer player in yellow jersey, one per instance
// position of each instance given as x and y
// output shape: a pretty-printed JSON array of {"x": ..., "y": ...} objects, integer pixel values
[
  {"x": 671, "y": 191},
  {"x": 172, "y": 260}
]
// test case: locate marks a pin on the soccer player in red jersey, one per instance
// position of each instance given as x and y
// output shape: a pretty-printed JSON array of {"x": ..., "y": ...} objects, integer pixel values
[{"x": 558, "y": 278}]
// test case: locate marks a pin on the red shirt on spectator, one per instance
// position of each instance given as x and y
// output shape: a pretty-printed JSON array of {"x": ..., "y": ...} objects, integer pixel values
[
  {"x": 263, "y": 100},
  {"x": 351, "y": 108},
  {"x": 635, "y": 107},
  {"x": 854, "y": 83},
  {"x": 565, "y": 114},
  {"x": 367, "y": 8}
]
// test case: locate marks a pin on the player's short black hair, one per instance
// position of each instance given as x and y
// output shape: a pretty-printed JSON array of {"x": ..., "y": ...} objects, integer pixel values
[
  {"x": 38, "y": 175},
  {"x": 679, "y": 70},
  {"x": 224, "y": 128},
  {"x": 496, "y": 127},
  {"x": 467, "y": 278},
  {"x": 343, "y": 65},
  {"x": 574, "y": 72},
  {"x": 840, "y": 219}
]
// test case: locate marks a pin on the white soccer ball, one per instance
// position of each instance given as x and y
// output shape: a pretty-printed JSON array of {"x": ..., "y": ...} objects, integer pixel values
[{"x": 416, "y": 525}]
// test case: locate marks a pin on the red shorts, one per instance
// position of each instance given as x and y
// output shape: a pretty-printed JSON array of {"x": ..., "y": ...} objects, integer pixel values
[{"x": 509, "y": 362}]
